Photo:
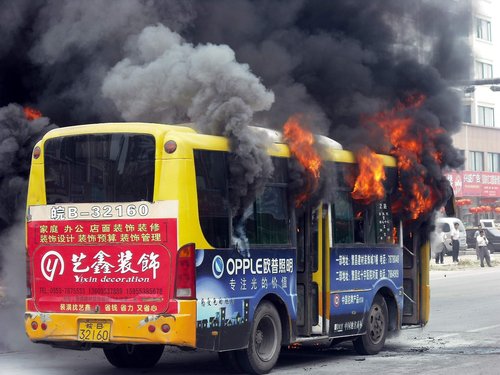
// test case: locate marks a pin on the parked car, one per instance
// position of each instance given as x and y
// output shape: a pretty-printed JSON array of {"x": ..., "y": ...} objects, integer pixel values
[
  {"x": 471, "y": 239},
  {"x": 445, "y": 224}
]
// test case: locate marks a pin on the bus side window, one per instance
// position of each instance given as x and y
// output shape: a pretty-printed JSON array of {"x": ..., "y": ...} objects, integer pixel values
[
  {"x": 213, "y": 205},
  {"x": 364, "y": 223},
  {"x": 268, "y": 223},
  {"x": 343, "y": 221}
]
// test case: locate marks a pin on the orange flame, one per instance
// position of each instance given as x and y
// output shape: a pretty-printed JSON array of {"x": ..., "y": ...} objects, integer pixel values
[
  {"x": 300, "y": 142},
  {"x": 32, "y": 113},
  {"x": 408, "y": 148},
  {"x": 395, "y": 235},
  {"x": 397, "y": 128},
  {"x": 423, "y": 199},
  {"x": 369, "y": 185}
]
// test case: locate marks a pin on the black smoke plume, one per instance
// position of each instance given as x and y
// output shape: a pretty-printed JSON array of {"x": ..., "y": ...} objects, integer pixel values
[
  {"x": 18, "y": 135},
  {"x": 164, "y": 79},
  {"x": 334, "y": 61}
]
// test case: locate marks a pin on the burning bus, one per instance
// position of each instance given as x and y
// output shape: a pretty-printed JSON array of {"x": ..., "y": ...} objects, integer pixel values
[{"x": 133, "y": 243}]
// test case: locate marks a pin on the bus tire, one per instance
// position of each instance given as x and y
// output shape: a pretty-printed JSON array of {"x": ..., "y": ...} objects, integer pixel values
[
  {"x": 230, "y": 361},
  {"x": 265, "y": 341},
  {"x": 376, "y": 324},
  {"x": 133, "y": 356}
]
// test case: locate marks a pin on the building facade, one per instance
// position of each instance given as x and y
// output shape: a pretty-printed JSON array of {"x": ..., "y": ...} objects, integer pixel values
[{"x": 477, "y": 185}]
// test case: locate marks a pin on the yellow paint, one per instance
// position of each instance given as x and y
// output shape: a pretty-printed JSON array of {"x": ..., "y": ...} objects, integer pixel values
[
  {"x": 322, "y": 276},
  {"x": 124, "y": 328},
  {"x": 317, "y": 276},
  {"x": 326, "y": 268},
  {"x": 425, "y": 289}
]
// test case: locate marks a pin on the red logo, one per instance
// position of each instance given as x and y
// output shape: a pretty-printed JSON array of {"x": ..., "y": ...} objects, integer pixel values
[
  {"x": 336, "y": 300},
  {"x": 51, "y": 262}
]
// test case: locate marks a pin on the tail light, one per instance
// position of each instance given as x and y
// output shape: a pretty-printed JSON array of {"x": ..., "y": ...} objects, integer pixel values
[{"x": 185, "y": 280}]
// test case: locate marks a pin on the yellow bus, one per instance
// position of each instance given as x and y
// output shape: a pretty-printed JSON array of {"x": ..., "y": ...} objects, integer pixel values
[{"x": 131, "y": 246}]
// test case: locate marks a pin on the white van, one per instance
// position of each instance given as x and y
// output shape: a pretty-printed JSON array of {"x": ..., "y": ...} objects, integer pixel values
[{"x": 444, "y": 224}]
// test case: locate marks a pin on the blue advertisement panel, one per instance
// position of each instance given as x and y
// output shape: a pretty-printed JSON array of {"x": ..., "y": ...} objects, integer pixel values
[
  {"x": 357, "y": 273},
  {"x": 229, "y": 288}
]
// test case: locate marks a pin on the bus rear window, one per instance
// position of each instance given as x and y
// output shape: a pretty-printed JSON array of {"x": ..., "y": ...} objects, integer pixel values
[{"x": 100, "y": 168}]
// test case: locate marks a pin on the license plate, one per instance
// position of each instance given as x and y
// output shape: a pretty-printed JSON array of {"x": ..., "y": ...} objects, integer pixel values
[{"x": 94, "y": 330}]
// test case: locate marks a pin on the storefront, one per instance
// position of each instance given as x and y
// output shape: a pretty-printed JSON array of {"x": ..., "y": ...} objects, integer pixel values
[{"x": 477, "y": 195}]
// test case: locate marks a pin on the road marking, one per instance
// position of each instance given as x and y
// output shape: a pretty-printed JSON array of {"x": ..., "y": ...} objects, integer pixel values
[
  {"x": 483, "y": 328},
  {"x": 469, "y": 331},
  {"x": 446, "y": 336}
]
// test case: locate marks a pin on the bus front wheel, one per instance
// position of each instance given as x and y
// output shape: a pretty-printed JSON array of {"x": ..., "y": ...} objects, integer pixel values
[
  {"x": 133, "y": 356},
  {"x": 376, "y": 324},
  {"x": 265, "y": 341}
]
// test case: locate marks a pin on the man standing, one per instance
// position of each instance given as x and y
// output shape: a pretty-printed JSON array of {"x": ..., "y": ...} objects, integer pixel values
[
  {"x": 455, "y": 243},
  {"x": 476, "y": 235},
  {"x": 482, "y": 243}
]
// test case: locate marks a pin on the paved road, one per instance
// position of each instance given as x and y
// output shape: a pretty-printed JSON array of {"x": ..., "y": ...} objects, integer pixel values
[{"x": 462, "y": 337}]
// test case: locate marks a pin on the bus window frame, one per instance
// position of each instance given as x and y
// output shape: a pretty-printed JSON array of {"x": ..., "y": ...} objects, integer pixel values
[{"x": 282, "y": 185}]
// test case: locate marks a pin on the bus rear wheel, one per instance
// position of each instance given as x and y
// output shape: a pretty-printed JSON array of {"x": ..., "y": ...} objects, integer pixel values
[
  {"x": 134, "y": 356},
  {"x": 265, "y": 341},
  {"x": 376, "y": 324}
]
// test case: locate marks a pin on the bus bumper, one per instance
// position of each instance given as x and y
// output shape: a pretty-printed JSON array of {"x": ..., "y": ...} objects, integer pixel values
[{"x": 57, "y": 328}]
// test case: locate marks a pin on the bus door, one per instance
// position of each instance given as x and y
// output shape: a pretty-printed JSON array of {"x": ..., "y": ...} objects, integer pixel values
[
  {"x": 312, "y": 242},
  {"x": 415, "y": 283}
]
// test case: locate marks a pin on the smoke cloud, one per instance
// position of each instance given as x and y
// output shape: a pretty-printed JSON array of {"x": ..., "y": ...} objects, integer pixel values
[
  {"x": 18, "y": 136},
  {"x": 348, "y": 60},
  {"x": 164, "y": 79},
  {"x": 332, "y": 61},
  {"x": 14, "y": 286}
]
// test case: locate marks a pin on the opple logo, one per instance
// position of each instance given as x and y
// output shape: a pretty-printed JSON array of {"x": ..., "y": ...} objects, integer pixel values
[
  {"x": 51, "y": 261},
  {"x": 218, "y": 266}
]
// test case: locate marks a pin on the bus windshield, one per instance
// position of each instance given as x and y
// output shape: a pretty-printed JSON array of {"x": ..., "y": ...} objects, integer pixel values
[{"x": 99, "y": 168}]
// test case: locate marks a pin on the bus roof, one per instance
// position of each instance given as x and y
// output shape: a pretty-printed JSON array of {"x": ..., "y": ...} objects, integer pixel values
[
  {"x": 119, "y": 127},
  {"x": 335, "y": 149}
]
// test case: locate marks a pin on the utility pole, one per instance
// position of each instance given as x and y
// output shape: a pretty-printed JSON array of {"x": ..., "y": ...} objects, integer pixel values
[{"x": 470, "y": 86}]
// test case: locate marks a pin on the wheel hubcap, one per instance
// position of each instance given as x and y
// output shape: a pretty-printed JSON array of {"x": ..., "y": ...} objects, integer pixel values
[
  {"x": 377, "y": 324},
  {"x": 266, "y": 339}
]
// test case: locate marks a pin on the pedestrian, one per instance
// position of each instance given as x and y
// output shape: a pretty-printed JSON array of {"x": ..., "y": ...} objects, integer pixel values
[
  {"x": 455, "y": 243},
  {"x": 441, "y": 249},
  {"x": 482, "y": 245},
  {"x": 476, "y": 234}
]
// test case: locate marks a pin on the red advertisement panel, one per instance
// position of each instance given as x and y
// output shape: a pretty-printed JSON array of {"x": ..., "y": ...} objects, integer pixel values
[{"x": 120, "y": 266}]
